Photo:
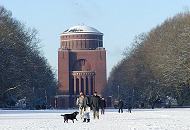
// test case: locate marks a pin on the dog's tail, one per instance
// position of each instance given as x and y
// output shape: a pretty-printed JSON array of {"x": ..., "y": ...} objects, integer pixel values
[{"x": 63, "y": 115}]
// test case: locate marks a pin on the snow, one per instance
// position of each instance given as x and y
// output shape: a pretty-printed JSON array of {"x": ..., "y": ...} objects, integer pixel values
[
  {"x": 139, "y": 119},
  {"x": 81, "y": 29}
]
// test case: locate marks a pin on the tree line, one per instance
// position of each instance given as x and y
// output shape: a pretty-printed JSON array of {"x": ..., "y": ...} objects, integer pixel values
[
  {"x": 157, "y": 66},
  {"x": 24, "y": 71}
]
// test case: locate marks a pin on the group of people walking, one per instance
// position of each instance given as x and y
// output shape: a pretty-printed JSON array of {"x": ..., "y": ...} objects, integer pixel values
[{"x": 86, "y": 104}]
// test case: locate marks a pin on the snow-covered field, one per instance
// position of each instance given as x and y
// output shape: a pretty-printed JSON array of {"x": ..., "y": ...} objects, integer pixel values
[{"x": 139, "y": 119}]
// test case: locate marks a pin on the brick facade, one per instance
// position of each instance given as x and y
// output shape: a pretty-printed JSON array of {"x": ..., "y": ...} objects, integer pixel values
[{"x": 81, "y": 63}]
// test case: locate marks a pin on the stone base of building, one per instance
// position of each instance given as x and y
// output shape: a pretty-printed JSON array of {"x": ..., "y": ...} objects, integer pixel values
[
  {"x": 64, "y": 101},
  {"x": 69, "y": 101}
]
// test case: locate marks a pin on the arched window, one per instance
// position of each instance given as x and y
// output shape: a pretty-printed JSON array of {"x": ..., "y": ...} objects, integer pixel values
[{"x": 81, "y": 65}]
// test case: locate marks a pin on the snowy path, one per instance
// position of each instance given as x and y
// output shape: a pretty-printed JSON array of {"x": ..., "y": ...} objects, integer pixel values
[{"x": 158, "y": 119}]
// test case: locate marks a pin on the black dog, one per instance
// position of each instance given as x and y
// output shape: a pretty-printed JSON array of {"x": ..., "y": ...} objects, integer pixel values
[{"x": 70, "y": 116}]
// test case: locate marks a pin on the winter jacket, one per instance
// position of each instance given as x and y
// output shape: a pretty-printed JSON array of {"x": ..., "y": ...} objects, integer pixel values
[
  {"x": 120, "y": 104},
  {"x": 80, "y": 101},
  {"x": 85, "y": 103},
  {"x": 102, "y": 103},
  {"x": 95, "y": 103}
]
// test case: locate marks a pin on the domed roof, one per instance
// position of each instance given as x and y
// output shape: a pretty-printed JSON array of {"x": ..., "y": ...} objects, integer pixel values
[{"x": 82, "y": 29}]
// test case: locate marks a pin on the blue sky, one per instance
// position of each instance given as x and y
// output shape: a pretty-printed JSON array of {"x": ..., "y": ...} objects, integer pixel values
[{"x": 119, "y": 20}]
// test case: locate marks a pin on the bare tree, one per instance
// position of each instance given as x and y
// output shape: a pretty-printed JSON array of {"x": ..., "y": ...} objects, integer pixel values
[
  {"x": 22, "y": 65},
  {"x": 158, "y": 64}
]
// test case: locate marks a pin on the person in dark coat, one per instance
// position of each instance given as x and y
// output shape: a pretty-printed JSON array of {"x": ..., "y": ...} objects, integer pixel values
[
  {"x": 102, "y": 105},
  {"x": 129, "y": 107},
  {"x": 95, "y": 104},
  {"x": 120, "y": 106}
]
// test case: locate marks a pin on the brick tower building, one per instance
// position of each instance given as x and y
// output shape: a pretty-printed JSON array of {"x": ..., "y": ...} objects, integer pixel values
[{"x": 81, "y": 64}]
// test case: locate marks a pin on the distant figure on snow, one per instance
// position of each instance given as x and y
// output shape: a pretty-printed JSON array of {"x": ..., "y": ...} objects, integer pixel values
[
  {"x": 129, "y": 107},
  {"x": 120, "y": 105},
  {"x": 102, "y": 105}
]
